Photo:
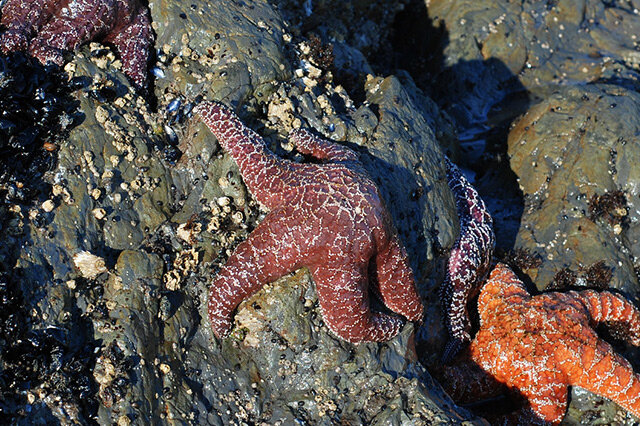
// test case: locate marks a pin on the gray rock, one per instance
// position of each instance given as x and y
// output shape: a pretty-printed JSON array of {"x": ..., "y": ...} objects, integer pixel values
[
  {"x": 491, "y": 50},
  {"x": 565, "y": 150},
  {"x": 240, "y": 44},
  {"x": 405, "y": 159}
]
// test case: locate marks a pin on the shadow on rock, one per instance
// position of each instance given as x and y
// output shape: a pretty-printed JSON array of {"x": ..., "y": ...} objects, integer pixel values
[{"x": 484, "y": 98}]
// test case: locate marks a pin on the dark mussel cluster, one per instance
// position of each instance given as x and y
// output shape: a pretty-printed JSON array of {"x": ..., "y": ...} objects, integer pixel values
[
  {"x": 176, "y": 114},
  {"x": 36, "y": 111},
  {"x": 47, "y": 361}
]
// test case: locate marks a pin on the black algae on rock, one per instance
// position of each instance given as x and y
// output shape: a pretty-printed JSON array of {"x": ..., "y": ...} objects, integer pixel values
[{"x": 36, "y": 111}]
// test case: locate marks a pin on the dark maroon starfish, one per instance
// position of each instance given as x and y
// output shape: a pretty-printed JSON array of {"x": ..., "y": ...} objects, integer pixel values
[
  {"x": 469, "y": 260},
  {"x": 328, "y": 217},
  {"x": 46, "y": 29}
]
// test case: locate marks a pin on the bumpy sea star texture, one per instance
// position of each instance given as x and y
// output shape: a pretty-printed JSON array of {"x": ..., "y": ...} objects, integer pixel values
[
  {"x": 540, "y": 345},
  {"x": 328, "y": 217},
  {"x": 469, "y": 260},
  {"x": 49, "y": 28}
]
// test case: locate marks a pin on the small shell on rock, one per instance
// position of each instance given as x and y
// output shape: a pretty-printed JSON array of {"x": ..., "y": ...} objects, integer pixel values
[
  {"x": 174, "y": 105},
  {"x": 99, "y": 213},
  {"x": 48, "y": 146},
  {"x": 172, "y": 137},
  {"x": 101, "y": 114},
  {"x": 90, "y": 265},
  {"x": 237, "y": 218},
  {"x": 48, "y": 205},
  {"x": 123, "y": 420},
  {"x": 157, "y": 72},
  {"x": 188, "y": 232},
  {"x": 70, "y": 67},
  {"x": 224, "y": 201},
  {"x": 96, "y": 193}
]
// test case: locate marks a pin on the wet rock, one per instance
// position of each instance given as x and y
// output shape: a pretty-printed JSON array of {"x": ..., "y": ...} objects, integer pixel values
[
  {"x": 406, "y": 161},
  {"x": 569, "y": 148},
  {"x": 490, "y": 51},
  {"x": 281, "y": 363},
  {"x": 304, "y": 373},
  {"x": 151, "y": 194},
  {"x": 131, "y": 334},
  {"x": 235, "y": 49},
  {"x": 491, "y": 54}
]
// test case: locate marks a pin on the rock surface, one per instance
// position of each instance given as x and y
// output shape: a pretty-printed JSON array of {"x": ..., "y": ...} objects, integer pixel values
[
  {"x": 491, "y": 51},
  {"x": 569, "y": 149}
]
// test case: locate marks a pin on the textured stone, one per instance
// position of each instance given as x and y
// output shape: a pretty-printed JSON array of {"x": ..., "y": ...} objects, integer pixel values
[{"x": 568, "y": 148}]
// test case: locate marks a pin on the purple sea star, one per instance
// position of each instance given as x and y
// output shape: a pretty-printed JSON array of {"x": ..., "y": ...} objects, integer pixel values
[
  {"x": 46, "y": 29},
  {"x": 328, "y": 217},
  {"x": 469, "y": 260}
]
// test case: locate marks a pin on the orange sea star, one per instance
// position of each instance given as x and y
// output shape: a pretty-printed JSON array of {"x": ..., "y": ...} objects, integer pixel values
[{"x": 540, "y": 345}]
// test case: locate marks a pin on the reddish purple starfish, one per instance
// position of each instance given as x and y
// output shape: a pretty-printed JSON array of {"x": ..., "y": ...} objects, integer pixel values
[
  {"x": 469, "y": 261},
  {"x": 49, "y": 28},
  {"x": 328, "y": 217}
]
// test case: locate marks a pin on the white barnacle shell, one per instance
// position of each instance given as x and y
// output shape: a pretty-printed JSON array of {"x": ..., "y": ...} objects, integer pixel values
[{"x": 90, "y": 265}]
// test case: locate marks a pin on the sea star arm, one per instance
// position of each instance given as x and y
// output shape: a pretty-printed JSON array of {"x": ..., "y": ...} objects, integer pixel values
[
  {"x": 344, "y": 300},
  {"x": 263, "y": 172},
  {"x": 454, "y": 304},
  {"x": 80, "y": 21},
  {"x": 606, "y": 306},
  {"x": 466, "y": 383},
  {"x": 548, "y": 400},
  {"x": 501, "y": 288},
  {"x": 133, "y": 43},
  {"x": 469, "y": 204},
  {"x": 464, "y": 273},
  {"x": 469, "y": 260},
  {"x": 599, "y": 369},
  {"x": 320, "y": 148},
  {"x": 395, "y": 278},
  {"x": 269, "y": 252},
  {"x": 21, "y": 19}
]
